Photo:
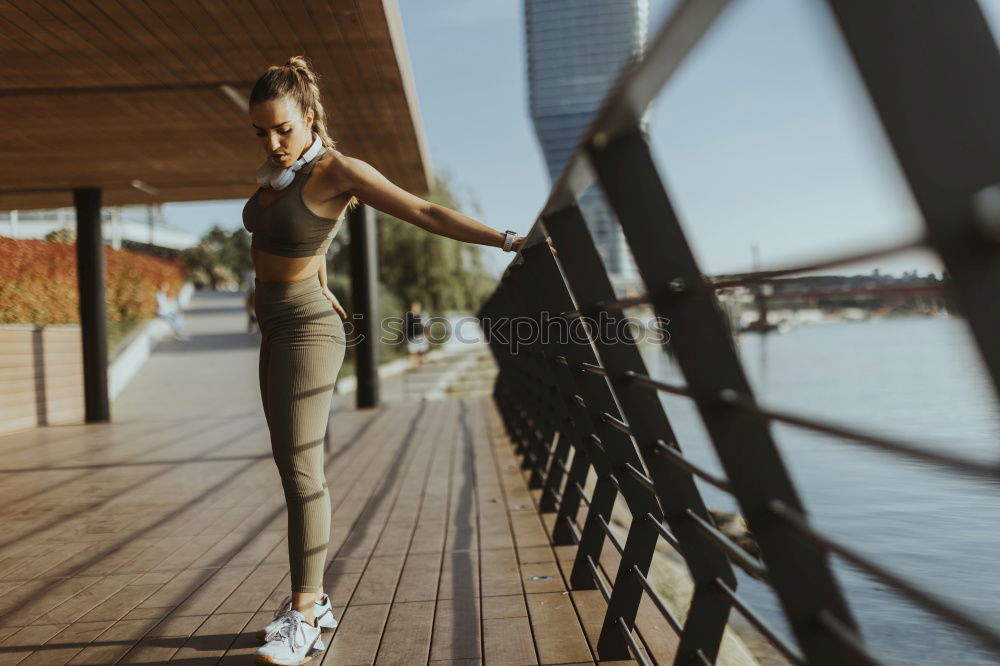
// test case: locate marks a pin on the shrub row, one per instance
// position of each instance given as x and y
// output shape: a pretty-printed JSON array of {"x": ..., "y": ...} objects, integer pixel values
[{"x": 38, "y": 282}]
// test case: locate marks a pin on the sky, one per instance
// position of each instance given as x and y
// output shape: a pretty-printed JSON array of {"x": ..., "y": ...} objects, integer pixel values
[{"x": 764, "y": 136}]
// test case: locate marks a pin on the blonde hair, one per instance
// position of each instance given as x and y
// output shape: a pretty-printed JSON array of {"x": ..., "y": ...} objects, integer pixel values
[{"x": 297, "y": 79}]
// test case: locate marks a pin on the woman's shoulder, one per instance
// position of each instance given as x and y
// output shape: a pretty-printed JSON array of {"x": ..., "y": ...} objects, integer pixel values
[
  {"x": 332, "y": 161},
  {"x": 332, "y": 169}
]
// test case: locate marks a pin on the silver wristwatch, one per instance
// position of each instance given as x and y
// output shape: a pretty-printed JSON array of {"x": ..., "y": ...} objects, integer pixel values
[{"x": 508, "y": 240}]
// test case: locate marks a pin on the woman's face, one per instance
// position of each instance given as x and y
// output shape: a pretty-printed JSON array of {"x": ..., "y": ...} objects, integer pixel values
[{"x": 283, "y": 131}]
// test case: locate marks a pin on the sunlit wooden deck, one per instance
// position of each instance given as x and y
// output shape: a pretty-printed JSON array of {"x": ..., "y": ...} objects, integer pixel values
[{"x": 160, "y": 538}]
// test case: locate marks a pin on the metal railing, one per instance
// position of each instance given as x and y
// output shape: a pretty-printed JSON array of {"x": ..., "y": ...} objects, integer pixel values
[{"x": 933, "y": 72}]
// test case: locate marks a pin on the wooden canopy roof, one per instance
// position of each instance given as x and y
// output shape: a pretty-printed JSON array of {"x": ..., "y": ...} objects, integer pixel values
[{"x": 146, "y": 99}]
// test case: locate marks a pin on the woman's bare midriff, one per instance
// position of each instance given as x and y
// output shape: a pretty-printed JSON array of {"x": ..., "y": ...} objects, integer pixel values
[{"x": 275, "y": 268}]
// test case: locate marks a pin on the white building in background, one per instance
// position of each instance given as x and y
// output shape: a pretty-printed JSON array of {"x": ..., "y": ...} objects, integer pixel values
[
  {"x": 138, "y": 224},
  {"x": 577, "y": 49}
]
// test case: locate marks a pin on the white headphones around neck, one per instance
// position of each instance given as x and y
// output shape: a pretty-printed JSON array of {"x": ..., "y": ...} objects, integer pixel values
[{"x": 278, "y": 178}]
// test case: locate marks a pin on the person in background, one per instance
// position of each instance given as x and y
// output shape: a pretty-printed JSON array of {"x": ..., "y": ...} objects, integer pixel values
[
  {"x": 166, "y": 308},
  {"x": 416, "y": 342}
]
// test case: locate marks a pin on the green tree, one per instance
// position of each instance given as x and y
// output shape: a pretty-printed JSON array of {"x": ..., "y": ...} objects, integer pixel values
[
  {"x": 442, "y": 273},
  {"x": 67, "y": 235},
  {"x": 219, "y": 255}
]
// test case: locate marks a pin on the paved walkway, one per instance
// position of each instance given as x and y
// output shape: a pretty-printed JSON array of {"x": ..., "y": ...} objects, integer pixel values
[{"x": 161, "y": 537}]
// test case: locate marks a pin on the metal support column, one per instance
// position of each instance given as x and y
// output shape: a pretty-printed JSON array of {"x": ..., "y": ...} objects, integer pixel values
[
  {"x": 93, "y": 309},
  {"x": 364, "y": 290}
]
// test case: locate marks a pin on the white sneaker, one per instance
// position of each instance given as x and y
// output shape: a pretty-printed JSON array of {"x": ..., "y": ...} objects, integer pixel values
[
  {"x": 322, "y": 611},
  {"x": 292, "y": 644}
]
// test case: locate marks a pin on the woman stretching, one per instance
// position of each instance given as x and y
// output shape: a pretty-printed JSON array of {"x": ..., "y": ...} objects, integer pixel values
[{"x": 306, "y": 187}]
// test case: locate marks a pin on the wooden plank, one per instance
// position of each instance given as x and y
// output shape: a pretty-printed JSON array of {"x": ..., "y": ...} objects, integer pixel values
[
  {"x": 381, "y": 575},
  {"x": 162, "y": 641},
  {"x": 541, "y": 577},
  {"x": 319, "y": 25},
  {"x": 213, "y": 638},
  {"x": 113, "y": 643},
  {"x": 357, "y": 637},
  {"x": 240, "y": 651},
  {"x": 508, "y": 605},
  {"x": 381, "y": 578},
  {"x": 456, "y": 629},
  {"x": 378, "y": 583},
  {"x": 558, "y": 636},
  {"x": 419, "y": 579},
  {"x": 499, "y": 647},
  {"x": 66, "y": 644},
  {"x": 252, "y": 591},
  {"x": 120, "y": 603},
  {"x": 35, "y": 598},
  {"x": 407, "y": 635},
  {"x": 555, "y": 565},
  {"x": 459, "y": 575},
  {"x": 25, "y": 640},
  {"x": 87, "y": 599}
]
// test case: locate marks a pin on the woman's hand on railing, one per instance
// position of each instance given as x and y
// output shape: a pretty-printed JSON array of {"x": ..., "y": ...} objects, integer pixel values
[
  {"x": 519, "y": 241},
  {"x": 552, "y": 247}
]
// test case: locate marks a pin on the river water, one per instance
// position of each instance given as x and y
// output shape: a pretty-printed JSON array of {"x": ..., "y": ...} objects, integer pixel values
[{"x": 919, "y": 379}]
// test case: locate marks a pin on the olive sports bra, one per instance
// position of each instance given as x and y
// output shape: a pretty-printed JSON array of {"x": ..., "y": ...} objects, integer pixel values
[{"x": 285, "y": 226}]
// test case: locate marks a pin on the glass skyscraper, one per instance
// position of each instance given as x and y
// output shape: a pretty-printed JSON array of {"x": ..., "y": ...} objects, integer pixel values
[{"x": 576, "y": 51}]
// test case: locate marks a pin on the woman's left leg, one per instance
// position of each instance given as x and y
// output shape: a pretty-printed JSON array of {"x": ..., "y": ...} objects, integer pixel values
[{"x": 302, "y": 364}]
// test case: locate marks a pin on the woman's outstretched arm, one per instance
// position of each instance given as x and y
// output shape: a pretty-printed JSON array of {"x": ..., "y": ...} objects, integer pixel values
[{"x": 372, "y": 188}]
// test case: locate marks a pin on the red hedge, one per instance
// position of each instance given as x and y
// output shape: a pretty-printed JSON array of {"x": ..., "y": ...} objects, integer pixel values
[{"x": 38, "y": 282}]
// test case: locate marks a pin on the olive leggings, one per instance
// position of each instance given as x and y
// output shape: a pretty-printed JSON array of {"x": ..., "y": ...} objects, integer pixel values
[{"x": 301, "y": 351}]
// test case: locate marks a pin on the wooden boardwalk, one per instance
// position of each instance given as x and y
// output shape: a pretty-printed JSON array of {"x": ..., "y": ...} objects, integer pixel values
[{"x": 160, "y": 538}]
